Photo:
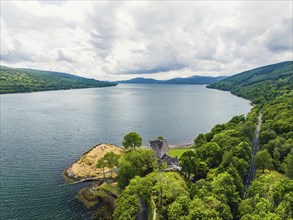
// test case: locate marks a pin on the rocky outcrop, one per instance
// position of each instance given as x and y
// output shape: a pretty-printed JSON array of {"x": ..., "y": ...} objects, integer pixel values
[{"x": 85, "y": 167}]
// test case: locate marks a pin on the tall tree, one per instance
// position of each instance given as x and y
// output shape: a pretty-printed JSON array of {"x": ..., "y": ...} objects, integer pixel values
[
  {"x": 132, "y": 140},
  {"x": 138, "y": 162},
  {"x": 112, "y": 161},
  {"x": 263, "y": 160},
  {"x": 187, "y": 162},
  {"x": 288, "y": 165},
  {"x": 200, "y": 140},
  {"x": 101, "y": 164}
]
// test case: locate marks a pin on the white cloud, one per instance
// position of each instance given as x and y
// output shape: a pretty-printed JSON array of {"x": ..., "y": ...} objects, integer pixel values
[{"x": 116, "y": 40}]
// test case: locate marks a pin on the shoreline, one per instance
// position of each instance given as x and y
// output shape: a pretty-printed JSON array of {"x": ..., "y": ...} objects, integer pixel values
[{"x": 51, "y": 90}]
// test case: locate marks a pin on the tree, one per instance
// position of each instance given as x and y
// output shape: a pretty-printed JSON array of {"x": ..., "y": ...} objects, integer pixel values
[
  {"x": 160, "y": 137},
  {"x": 112, "y": 161},
  {"x": 288, "y": 165},
  {"x": 266, "y": 135},
  {"x": 138, "y": 162},
  {"x": 209, "y": 208},
  {"x": 179, "y": 208},
  {"x": 248, "y": 129},
  {"x": 132, "y": 140},
  {"x": 225, "y": 190},
  {"x": 127, "y": 207},
  {"x": 211, "y": 153},
  {"x": 101, "y": 164},
  {"x": 200, "y": 169},
  {"x": 243, "y": 150},
  {"x": 187, "y": 162},
  {"x": 263, "y": 160},
  {"x": 161, "y": 189},
  {"x": 200, "y": 140}
]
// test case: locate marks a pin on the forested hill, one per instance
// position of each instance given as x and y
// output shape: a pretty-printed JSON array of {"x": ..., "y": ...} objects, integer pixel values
[
  {"x": 187, "y": 80},
  {"x": 28, "y": 80},
  {"x": 261, "y": 84},
  {"x": 271, "y": 89}
]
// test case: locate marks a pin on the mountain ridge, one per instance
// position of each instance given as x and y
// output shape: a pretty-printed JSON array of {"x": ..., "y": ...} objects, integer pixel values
[
  {"x": 260, "y": 84},
  {"x": 179, "y": 80},
  {"x": 17, "y": 80}
]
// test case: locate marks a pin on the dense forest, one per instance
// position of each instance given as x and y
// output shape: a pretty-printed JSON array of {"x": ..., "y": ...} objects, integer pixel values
[
  {"x": 29, "y": 80},
  {"x": 210, "y": 184},
  {"x": 260, "y": 85}
]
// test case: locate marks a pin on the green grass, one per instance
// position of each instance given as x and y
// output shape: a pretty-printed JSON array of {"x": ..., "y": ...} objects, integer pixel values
[{"x": 178, "y": 152}]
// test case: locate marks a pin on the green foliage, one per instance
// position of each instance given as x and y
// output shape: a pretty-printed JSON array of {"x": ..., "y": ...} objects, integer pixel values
[
  {"x": 160, "y": 137},
  {"x": 221, "y": 157},
  {"x": 261, "y": 84},
  {"x": 266, "y": 135},
  {"x": 179, "y": 209},
  {"x": 288, "y": 165},
  {"x": 269, "y": 197},
  {"x": 159, "y": 188},
  {"x": 263, "y": 160},
  {"x": 211, "y": 153},
  {"x": 225, "y": 190},
  {"x": 127, "y": 207},
  {"x": 200, "y": 140},
  {"x": 187, "y": 162},
  {"x": 132, "y": 140},
  {"x": 101, "y": 164},
  {"x": 137, "y": 162},
  {"x": 209, "y": 208},
  {"x": 27, "y": 80},
  {"x": 110, "y": 160}
]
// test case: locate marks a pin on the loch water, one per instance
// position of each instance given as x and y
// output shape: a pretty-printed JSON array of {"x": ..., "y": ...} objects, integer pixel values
[{"x": 42, "y": 133}]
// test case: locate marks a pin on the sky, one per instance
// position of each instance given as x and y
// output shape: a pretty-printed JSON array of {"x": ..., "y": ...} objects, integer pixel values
[{"x": 117, "y": 40}]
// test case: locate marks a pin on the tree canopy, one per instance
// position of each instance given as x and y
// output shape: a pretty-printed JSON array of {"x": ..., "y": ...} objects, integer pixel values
[{"x": 132, "y": 140}]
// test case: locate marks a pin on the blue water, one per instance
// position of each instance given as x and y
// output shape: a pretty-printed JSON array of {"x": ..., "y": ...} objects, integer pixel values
[{"x": 42, "y": 133}]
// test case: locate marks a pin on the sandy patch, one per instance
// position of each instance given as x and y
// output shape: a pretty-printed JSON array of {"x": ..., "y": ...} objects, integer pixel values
[{"x": 85, "y": 166}]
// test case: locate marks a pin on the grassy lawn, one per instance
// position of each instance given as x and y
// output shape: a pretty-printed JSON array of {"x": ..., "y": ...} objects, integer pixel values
[{"x": 178, "y": 152}]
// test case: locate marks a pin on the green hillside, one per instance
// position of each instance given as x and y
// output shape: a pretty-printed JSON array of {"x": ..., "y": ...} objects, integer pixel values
[
  {"x": 271, "y": 89},
  {"x": 29, "y": 80},
  {"x": 261, "y": 84},
  {"x": 215, "y": 170}
]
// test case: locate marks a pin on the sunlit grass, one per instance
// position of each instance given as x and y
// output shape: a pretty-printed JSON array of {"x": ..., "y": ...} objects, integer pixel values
[{"x": 178, "y": 152}]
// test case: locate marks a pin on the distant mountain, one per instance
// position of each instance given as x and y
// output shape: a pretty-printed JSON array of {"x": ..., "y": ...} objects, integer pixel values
[
  {"x": 141, "y": 80},
  {"x": 260, "y": 84},
  {"x": 14, "y": 80},
  {"x": 188, "y": 80}
]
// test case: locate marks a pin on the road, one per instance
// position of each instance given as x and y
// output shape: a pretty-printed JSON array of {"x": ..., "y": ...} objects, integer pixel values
[{"x": 255, "y": 144}]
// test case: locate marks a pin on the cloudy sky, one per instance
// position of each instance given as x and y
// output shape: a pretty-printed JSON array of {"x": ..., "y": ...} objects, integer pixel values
[{"x": 121, "y": 40}]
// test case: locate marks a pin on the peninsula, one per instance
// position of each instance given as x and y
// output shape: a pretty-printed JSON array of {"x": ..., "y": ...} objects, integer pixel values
[{"x": 18, "y": 80}]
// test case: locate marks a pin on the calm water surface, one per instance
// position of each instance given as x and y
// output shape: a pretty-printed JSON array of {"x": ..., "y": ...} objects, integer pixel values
[{"x": 43, "y": 133}]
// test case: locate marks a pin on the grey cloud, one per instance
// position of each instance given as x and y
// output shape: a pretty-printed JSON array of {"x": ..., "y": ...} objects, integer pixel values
[
  {"x": 15, "y": 56},
  {"x": 149, "y": 37},
  {"x": 156, "y": 70},
  {"x": 280, "y": 38},
  {"x": 63, "y": 57},
  {"x": 20, "y": 20},
  {"x": 18, "y": 54}
]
